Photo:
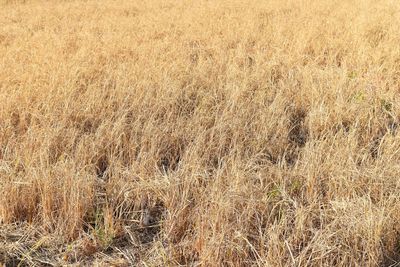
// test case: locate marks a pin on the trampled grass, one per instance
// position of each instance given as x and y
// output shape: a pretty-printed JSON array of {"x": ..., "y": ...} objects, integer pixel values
[{"x": 211, "y": 133}]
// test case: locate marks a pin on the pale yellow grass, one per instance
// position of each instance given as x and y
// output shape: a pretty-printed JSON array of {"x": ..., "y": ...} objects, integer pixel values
[{"x": 212, "y": 133}]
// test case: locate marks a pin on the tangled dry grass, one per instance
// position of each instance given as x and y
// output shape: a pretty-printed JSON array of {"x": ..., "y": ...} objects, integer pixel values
[{"x": 212, "y": 133}]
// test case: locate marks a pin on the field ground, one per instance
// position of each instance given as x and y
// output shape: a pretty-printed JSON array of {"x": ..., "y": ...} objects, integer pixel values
[{"x": 211, "y": 133}]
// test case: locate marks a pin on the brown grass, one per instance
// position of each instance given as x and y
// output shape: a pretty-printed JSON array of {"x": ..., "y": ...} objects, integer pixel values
[{"x": 212, "y": 133}]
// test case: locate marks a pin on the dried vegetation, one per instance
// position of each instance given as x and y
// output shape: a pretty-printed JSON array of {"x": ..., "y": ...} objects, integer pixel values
[{"x": 212, "y": 133}]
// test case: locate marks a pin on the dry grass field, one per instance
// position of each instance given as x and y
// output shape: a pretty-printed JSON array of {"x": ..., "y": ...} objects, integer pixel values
[{"x": 200, "y": 133}]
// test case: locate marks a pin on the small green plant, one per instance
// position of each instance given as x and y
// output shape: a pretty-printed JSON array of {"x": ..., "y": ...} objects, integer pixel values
[
  {"x": 275, "y": 192},
  {"x": 358, "y": 97},
  {"x": 100, "y": 231},
  {"x": 386, "y": 105},
  {"x": 295, "y": 185},
  {"x": 352, "y": 75}
]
